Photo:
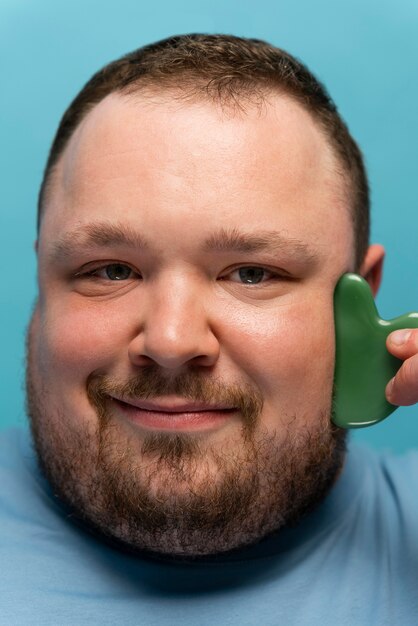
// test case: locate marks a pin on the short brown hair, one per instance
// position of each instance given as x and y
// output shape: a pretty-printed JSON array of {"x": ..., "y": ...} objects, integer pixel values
[{"x": 229, "y": 69}]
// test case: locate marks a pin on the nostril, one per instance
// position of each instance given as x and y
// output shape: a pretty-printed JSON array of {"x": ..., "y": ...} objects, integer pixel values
[{"x": 171, "y": 351}]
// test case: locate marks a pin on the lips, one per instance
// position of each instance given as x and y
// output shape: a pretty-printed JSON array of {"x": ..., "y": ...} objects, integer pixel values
[
  {"x": 174, "y": 414},
  {"x": 173, "y": 406}
]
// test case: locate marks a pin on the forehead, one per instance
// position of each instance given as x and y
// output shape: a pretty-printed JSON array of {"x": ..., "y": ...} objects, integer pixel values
[{"x": 157, "y": 161}]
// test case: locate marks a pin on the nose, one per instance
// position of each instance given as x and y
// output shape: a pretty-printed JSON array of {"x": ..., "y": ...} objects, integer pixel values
[{"x": 175, "y": 327}]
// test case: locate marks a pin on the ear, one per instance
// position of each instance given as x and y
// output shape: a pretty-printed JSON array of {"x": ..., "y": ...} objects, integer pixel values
[{"x": 372, "y": 266}]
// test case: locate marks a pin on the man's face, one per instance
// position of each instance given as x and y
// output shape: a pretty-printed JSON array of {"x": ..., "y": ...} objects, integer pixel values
[{"x": 181, "y": 353}]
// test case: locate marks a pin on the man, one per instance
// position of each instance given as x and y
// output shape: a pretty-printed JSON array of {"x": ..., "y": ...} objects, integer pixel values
[{"x": 201, "y": 200}]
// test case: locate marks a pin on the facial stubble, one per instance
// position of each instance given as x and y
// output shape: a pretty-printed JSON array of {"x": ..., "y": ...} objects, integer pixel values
[{"x": 178, "y": 494}]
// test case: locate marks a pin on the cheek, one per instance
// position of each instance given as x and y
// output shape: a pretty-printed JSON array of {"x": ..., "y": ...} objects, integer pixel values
[
  {"x": 74, "y": 340},
  {"x": 289, "y": 355}
]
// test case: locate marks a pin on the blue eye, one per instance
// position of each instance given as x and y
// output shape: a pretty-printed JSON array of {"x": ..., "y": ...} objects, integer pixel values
[
  {"x": 251, "y": 275},
  {"x": 114, "y": 271}
]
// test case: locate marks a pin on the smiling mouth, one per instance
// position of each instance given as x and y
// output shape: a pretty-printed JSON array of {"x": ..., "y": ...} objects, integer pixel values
[{"x": 184, "y": 418}]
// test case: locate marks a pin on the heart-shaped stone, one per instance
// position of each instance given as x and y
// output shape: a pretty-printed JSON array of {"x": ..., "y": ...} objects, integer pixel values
[{"x": 363, "y": 365}]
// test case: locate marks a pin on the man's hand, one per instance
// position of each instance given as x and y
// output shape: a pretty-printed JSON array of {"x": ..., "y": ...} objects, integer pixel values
[{"x": 403, "y": 388}]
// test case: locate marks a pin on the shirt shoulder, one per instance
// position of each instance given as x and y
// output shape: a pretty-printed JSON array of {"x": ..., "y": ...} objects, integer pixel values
[{"x": 389, "y": 507}]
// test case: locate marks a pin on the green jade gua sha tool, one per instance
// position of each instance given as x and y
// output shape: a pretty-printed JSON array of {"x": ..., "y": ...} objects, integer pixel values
[{"x": 363, "y": 365}]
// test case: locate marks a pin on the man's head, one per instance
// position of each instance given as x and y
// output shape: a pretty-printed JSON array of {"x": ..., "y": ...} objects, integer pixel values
[
  {"x": 192, "y": 229},
  {"x": 232, "y": 72}
]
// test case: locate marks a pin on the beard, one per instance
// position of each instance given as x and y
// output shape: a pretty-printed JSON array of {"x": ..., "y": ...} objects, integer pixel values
[{"x": 180, "y": 494}]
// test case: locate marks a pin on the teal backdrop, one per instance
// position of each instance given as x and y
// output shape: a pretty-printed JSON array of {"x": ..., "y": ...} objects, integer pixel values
[{"x": 366, "y": 52}]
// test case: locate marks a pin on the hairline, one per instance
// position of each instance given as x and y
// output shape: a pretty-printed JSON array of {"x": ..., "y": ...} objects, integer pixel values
[{"x": 257, "y": 97}]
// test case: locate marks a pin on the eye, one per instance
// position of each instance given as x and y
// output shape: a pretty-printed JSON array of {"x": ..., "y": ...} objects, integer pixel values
[
  {"x": 253, "y": 275},
  {"x": 113, "y": 271}
]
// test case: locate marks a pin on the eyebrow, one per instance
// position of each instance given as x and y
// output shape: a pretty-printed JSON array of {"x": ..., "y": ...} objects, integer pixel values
[
  {"x": 225, "y": 240},
  {"x": 96, "y": 235},
  {"x": 104, "y": 235}
]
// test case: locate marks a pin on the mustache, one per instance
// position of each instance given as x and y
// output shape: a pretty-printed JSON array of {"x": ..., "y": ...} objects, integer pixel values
[{"x": 150, "y": 383}]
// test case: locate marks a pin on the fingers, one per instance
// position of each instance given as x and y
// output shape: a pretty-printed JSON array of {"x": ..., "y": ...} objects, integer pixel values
[
  {"x": 403, "y": 388},
  {"x": 403, "y": 343}
]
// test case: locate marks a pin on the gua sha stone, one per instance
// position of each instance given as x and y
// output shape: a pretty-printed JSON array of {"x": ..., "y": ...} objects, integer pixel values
[{"x": 363, "y": 364}]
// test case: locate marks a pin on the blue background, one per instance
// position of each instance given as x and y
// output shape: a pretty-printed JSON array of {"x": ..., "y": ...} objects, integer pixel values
[{"x": 366, "y": 52}]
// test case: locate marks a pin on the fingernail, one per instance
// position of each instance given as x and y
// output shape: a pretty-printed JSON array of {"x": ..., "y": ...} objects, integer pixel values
[{"x": 399, "y": 337}]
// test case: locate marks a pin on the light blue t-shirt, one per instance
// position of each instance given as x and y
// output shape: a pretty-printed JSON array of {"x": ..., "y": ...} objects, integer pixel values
[{"x": 354, "y": 561}]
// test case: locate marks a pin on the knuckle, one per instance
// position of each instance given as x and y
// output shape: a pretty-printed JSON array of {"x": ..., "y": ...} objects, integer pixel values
[{"x": 413, "y": 339}]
